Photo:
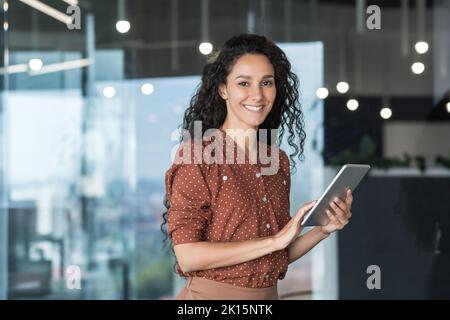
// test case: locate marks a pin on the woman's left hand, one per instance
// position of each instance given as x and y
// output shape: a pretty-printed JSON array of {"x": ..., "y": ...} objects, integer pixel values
[{"x": 339, "y": 214}]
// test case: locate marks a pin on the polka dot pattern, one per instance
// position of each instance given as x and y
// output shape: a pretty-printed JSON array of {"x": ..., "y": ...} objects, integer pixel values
[{"x": 230, "y": 202}]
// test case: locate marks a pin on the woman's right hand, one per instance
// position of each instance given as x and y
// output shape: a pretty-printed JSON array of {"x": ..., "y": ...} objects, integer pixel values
[{"x": 293, "y": 228}]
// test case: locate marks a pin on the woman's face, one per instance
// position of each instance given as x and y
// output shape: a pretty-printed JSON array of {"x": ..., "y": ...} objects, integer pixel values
[{"x": 249, "y": 92}]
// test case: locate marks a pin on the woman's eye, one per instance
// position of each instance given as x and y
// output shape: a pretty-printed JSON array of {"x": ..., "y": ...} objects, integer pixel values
[{"x": 266, "y": 83}]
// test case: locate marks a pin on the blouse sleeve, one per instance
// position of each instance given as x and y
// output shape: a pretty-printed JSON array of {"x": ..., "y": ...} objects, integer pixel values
[{"x": 189, "y": 199}]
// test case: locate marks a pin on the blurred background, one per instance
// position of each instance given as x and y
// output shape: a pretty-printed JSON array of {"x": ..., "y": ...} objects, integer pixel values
[{"x": 92, "y": 94}]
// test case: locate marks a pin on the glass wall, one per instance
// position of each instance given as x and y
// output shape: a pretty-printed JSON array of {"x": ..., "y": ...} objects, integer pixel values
[{"x": 90, "y": 119}]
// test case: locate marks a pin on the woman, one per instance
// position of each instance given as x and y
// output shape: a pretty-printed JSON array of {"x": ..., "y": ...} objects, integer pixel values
[{"x": 229, "y": 223}]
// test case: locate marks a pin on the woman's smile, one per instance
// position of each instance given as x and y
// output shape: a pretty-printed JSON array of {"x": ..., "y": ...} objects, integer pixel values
[{"x": 254, "y": 108}]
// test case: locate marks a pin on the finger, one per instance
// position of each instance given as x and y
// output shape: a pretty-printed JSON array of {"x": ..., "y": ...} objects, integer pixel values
[
  {"x": 341, "y": 204},
  {"x": 332, "y": 217},
  {"x": 335, "y": 220},
  {"x": 349, "y": 198},
  {"x": 297, "y": 217},
  {"x": 339, "y": 213},
  {"x": 344, "y": 207},
  {"x": 309, "y": 205},
  {"x": 306, "y": 207},
  {"x": 304, "y": 210},
  {"x": 337, "y": 210}
]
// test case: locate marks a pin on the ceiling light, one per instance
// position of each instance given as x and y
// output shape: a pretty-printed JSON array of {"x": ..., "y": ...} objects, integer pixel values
[
  {"x": 35, "y": 64},
  {"x": 322, "y": 93},
  {"x": 386, "y": 113},
  {"x": 123, "y": 26},
  {"x": 418, "y": 67},
  {"x": 62, "y": 66},
  {"x": 147, "y": 88},
  {"x": 52, "y": 12},
  {"x": 421, "y": 47},
  {"x": 109, "y": 92},
  {"x": 342, "y": 87},
  {"x": 205, "y": 48},
  {"x": 352, "y": 104}
]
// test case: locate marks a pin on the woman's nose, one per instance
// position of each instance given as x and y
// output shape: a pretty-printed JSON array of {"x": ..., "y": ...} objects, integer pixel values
[{"x": 256, "y": 93}]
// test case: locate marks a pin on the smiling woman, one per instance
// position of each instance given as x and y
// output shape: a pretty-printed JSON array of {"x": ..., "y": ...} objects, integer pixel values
[{"x": 229, "y": 223}]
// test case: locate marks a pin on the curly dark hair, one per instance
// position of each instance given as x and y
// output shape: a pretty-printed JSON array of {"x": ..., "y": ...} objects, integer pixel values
[{"x": 208, "y": 106}]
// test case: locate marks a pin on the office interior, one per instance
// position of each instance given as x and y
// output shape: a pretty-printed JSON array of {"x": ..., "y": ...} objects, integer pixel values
[{"x": 93, "y": 93}]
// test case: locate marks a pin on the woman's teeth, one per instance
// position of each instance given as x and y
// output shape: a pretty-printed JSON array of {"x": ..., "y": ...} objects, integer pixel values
[{"x": 253, "y": 108}]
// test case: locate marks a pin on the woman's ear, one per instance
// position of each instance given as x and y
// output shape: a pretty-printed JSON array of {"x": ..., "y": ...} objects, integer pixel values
[{"x": 223, "y": 91}]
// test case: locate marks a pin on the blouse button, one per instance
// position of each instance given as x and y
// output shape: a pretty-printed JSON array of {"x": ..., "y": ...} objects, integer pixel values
[
  {"x": 284, "y": 182},
  {"x": 258, "y": 175},
  {"x": 264, "y": 199},
  {"x": 268, "y": 226},
  {"x": 267, "y": 276},
  {"x": 225, "y": 178}
]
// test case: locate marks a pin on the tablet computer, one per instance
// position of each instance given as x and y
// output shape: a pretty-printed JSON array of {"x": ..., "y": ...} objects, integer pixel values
[{"x": 349, "y": 176}]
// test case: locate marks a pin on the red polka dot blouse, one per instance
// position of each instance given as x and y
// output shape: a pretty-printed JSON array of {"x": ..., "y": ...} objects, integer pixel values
[{"x": 229, "y": 202}]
